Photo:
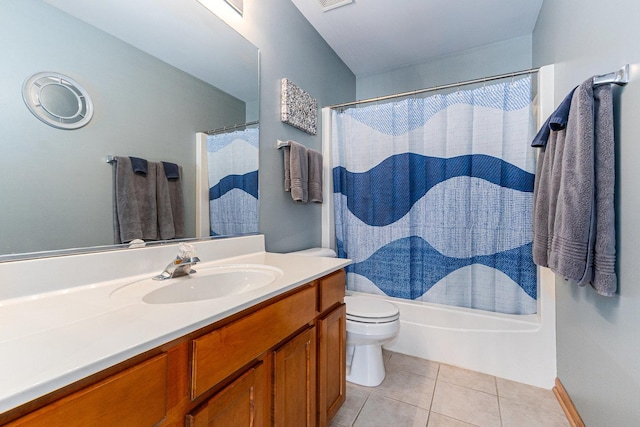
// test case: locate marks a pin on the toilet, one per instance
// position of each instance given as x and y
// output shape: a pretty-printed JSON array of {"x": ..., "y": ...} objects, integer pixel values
[{"x": 371, "y": 323}]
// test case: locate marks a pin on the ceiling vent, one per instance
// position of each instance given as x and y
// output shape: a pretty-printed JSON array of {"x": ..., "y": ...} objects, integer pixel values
[{"x": 332, "y": 4}]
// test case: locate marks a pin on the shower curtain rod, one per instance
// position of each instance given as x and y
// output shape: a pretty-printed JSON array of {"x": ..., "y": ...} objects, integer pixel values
[
  {"x": 228, "y": 128},
  {"x": 436, "y": 88},
  {"x": 620, "y": 77}
]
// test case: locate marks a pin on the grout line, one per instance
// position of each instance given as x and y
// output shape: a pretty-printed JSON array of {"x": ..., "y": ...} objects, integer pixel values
[
  {"x": 360, "y": 410},
  {"x": 495, "y": 380}
]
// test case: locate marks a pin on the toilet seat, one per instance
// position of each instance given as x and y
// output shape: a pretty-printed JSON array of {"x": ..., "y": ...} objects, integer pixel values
[{"x": 370, "y": 310}]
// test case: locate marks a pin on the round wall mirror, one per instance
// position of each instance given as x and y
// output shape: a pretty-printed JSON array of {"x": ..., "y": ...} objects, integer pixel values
[{"x": 57, "y": 100}]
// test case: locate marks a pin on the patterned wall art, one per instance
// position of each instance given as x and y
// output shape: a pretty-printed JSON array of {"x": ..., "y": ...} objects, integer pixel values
[{"x": 299, "y": 109}]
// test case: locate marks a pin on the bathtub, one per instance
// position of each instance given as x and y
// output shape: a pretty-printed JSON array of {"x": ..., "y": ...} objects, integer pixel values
[{"x": 520, "y": 348}]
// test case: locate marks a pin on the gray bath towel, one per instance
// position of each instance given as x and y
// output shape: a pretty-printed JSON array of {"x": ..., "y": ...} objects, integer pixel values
[
  {"x": 135, "y": 211},
  {"x": 604, "y": 279},
  {"x": 296, "y": 170},
  {"x": 574, "y": 231},
  {"x": 315, "y": 176},
  {"x": 170, "y": 204}
]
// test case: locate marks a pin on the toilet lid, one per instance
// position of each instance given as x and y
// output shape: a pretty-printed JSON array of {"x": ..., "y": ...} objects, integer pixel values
[{"x": 366, "y": 309}]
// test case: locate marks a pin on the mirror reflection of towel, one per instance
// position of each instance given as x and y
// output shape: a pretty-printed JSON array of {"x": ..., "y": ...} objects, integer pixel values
[
  {"x": 135, "y": 209},
  {"x": 170, "y": 203},
  {"x": 147, "y": 207},
  {"x": 171, "y": 170},
  {"x": 140, "y": 166}
]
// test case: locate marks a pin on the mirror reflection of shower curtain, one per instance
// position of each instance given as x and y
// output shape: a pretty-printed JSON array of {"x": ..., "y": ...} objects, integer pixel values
[
  {"x": 433, "y": 197},
  {"x": 233, "y": 182}
]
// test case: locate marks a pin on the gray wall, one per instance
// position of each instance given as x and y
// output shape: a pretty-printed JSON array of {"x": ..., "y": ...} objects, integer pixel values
[
  {"x": 598, "y": 343},
  {"x": 489, "y": 60},
  {"x": 291, "y": 48},
  {"x": 56, "y": 186}
]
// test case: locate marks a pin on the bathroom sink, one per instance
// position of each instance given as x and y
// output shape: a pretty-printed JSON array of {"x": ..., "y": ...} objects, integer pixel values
[{"x": 207, "y": 283}]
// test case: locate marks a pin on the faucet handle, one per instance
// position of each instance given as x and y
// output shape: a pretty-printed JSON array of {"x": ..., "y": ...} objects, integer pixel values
[{"x": 185, "y": 250}]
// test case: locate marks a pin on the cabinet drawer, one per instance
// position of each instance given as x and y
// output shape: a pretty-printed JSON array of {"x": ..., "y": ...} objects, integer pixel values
[
  {"x": 331, "y": 290},
  {"x": 222, "y": 352},
  {"x": 134, "y": 397}
]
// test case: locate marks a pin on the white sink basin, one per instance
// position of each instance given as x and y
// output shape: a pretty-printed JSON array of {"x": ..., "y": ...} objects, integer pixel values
[{"x": 206, "y": 283}]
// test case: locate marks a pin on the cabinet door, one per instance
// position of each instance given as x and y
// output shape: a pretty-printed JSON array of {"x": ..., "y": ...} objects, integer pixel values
[
  {"x": 239, "y": 404},
  {"x": 294, "y": 381},
  {"x": 332, "y": 380}
]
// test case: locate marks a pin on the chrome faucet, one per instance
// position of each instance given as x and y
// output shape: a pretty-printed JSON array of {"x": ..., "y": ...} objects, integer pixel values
[{"x": 178, "y": 267}]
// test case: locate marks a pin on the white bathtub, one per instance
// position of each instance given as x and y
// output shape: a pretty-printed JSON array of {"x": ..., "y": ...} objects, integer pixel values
[{"x": 519, "y": 348}]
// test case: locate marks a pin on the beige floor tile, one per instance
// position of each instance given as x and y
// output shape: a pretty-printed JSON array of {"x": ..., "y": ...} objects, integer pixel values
[
  {"x": 437, "y": 420},
  {"x": 467, "y": 378},
  {"x": 356, "y": 398},
  {"x": 515, "y": 414},
  {"x": 380, "y": 411},
  {"x": 407, "y": 387},
  {"x": 386, "y": 354},
  {"x": 528, "y": 395},
  {"x": 414, "y": 365},
  {"x": 464, "y": 404}
]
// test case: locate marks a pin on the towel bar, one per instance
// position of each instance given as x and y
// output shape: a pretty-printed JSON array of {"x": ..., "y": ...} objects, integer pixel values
[
  {"x": 620, "y": 77},
  {"x": 281, "y": 144}
]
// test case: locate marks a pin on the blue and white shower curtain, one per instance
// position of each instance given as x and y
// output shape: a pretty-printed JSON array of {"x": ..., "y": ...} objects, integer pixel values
[
  {"x": 433, "y": 197},
  {"x": 232, "y": 159}
]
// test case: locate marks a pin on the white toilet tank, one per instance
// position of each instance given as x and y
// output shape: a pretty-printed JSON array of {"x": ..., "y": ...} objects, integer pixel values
[{"x": 325, "y": 252}]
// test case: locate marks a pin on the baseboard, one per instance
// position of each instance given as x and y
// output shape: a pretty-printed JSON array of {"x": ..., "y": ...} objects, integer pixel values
[{"x": 567, "y": 405}]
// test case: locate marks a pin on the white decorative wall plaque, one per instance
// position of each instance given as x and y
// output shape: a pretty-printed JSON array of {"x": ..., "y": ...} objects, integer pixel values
[{"x": 299, "y": 109}]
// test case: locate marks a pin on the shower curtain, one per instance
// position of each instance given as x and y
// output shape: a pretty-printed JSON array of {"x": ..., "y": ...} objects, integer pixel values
[
  {"x": 232, "y": 160},
  {"x": 433, "y": 197}
]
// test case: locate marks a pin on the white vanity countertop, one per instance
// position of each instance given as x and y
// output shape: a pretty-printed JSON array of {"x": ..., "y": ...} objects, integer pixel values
[{"x": 50, "y": 340}]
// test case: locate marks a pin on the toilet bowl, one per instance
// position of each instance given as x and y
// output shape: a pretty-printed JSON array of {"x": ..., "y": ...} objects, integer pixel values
[{"x": 371, "y": 323}]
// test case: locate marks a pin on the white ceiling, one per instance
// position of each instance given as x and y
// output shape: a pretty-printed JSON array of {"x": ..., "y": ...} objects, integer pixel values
[{"x": 373, "y": 36}]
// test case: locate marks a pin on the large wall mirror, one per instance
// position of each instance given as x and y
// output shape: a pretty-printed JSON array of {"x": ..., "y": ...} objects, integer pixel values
[{"x": 158, "y": 72}]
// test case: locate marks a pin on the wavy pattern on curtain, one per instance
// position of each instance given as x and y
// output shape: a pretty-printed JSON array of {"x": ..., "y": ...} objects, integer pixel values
[
  {"x": 233, "y": 182},
  {"x": 433, "y": 197}
]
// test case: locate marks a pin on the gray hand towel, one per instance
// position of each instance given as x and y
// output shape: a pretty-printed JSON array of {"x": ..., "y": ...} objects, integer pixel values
[
  {"x": 315, "y": 176},
  {"x": 296, "y": 170},
  {"x": 170, "y": 204},
  {"x": 135, "y": 212}
]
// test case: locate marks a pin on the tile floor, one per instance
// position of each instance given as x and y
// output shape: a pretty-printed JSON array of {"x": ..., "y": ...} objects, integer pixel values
[{"x": 419, "y": 392}]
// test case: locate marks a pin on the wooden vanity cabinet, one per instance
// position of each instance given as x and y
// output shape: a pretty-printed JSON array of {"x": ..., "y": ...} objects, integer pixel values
[
  {"x": 332, "y": 334},
  {"x": 279, "y": 363}
]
